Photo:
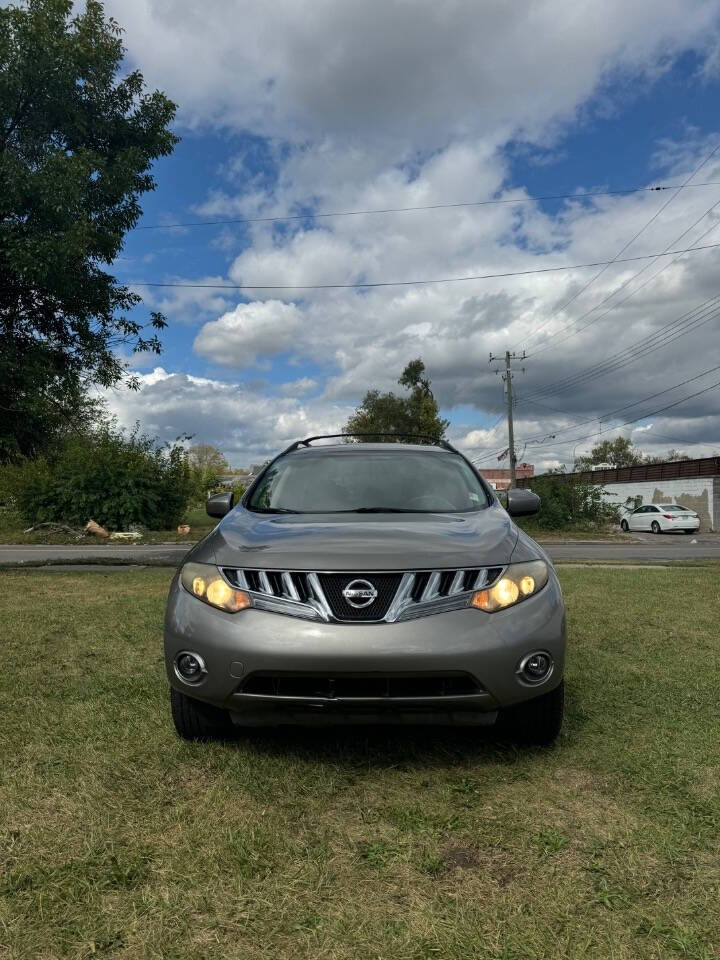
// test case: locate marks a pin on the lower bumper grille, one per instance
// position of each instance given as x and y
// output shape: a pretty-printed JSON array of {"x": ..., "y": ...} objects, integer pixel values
[{"x": 354, "y": 687}]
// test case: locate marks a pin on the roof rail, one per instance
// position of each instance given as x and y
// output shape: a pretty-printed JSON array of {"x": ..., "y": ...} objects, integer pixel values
[{"x": 439, "y": 441}]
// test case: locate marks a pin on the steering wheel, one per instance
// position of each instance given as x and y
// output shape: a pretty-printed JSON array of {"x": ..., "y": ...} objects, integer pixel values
[{"x": 435, "y": 502}]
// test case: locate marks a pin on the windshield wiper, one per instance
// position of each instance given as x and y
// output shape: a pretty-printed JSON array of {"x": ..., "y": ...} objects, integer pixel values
[
  {"x": 273, "y": 510},
  {"x": 382, "y": 510}
]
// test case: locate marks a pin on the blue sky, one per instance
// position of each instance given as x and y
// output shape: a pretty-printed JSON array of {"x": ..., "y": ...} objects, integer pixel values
[{"x": 634, "y": 103}]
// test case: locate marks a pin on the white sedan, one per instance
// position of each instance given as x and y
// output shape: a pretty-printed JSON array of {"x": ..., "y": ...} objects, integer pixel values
[{"x": 662, "y": 518}]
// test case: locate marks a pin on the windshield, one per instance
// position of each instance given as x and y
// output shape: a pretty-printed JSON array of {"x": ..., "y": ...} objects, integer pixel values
[
  {"x": 676, "y": 507},
  {"x": 374, "y": 482}
]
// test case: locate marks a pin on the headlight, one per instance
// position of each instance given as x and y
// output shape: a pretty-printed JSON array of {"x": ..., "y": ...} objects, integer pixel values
[
  {"x": 520, "y": 581},
  {"x": 204, "y": 582}
]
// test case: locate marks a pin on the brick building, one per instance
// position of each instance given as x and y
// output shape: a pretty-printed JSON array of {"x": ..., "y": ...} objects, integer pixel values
[{"x": 499, "y": 479}]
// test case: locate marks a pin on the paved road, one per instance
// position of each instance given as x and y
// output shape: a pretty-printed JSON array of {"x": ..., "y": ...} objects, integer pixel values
[{"x": 661, "y": 549}]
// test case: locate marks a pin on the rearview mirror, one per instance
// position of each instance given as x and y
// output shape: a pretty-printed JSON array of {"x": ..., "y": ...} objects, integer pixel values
[
  {"x": 522, "y": 503},
  {"x": 219, "y": 504}
]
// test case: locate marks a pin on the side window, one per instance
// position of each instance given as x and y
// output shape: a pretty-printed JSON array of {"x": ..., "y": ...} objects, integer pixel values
[
  {"x": 641, "y": 510},
  {"x": 653, "y": 510}
]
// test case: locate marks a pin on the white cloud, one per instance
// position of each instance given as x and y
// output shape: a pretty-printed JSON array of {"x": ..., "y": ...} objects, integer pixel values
[
  {"x": 187, "y": 305},
  {"x": 390, "y": 104},
  {"x": 247, "y": 426},
  {"x": 251, "y": 330},
  {"x": 387, "y": 70},
  {"x": 299, "y": 387}
]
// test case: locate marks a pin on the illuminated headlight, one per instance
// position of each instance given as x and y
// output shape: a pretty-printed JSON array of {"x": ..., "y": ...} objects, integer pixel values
[
  {"x": 204, "y": 582},
  {"x": 520, "y": 581}
]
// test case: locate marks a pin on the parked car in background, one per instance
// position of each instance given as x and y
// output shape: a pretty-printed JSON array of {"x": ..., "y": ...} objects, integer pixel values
[
  {"x": 367, "y": 583},
  {"x": 662, "y": 518}
]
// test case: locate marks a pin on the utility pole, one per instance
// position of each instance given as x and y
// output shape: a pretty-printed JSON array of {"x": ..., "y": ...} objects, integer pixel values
[{"x": 508, "y": 378}]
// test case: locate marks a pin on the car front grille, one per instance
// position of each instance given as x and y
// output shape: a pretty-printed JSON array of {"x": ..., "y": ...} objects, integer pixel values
[
  {"x": 333, "y": 584},
  {"x": 397, "y": 595},
  {"x": 359, "y": 686}
]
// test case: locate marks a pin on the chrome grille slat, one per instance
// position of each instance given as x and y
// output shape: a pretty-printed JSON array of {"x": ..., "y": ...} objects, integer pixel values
[
  {"x": 289, "y": 587},
  {"x": 431, "y": 590},
  {"x": 420, "y": 593},
  {"x": 456, "y": 585}
]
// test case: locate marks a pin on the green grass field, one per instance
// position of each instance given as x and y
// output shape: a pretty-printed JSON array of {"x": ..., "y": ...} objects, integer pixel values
[{"x": 119, "y": 840}]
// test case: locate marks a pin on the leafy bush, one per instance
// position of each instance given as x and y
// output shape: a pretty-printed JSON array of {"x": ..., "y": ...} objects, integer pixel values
[
  {"x": 567, "y": 504},
  {"x": 119, "y": 480}
]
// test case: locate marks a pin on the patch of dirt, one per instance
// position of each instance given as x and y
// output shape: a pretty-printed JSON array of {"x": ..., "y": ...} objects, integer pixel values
[
  {"x": 495, "y": 868},
  {"x": 463, "y": 858}
]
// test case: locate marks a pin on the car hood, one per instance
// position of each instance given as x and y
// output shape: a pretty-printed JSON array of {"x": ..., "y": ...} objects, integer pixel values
[{"x": 360, "y": 542}]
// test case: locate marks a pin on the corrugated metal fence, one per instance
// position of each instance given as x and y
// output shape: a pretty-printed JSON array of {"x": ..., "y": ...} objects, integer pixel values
[{"x": 670, "y": 470}]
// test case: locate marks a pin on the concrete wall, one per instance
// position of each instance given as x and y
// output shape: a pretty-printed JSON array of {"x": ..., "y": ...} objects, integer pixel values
[{"x": 701, "y": 494}]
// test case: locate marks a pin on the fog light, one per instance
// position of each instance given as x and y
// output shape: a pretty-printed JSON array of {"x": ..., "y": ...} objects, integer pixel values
[
  {"x": 190, "y": 667},
  {"x": 536, "y": 667}
]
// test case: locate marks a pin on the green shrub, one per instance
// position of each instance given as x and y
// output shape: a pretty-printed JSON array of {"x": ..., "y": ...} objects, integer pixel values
[
  {"x": 568, "y": 504},
  {"x": 119, "y": 480}
]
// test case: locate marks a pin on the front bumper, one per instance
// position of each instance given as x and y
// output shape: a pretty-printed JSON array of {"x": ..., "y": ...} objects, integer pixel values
[{"x": 487, "y": 647}]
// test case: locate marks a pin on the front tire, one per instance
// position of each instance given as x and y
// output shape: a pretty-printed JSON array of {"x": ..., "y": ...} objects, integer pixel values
[
  {"x": 655, "y": 526},
  {"x": 624, "y": 526},
  {"x": 195, "y": 720},
  {"x": 536, "y": 722}
]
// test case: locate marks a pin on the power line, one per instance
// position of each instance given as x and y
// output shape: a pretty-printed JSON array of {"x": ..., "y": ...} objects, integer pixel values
[
  {"x": 579, "y": 423},
  {"x": 698, "y": 316},
  {"x": 430, "y": 206},
  {"x": 606, "y": 416},
  {"x": 631, "y": 355},
  {"x": 622, "y": 286},
  {"x": 627, "y": 406},
  {"x": 643, "y": 416},
  {"x": 616, "y": 259},
  {"x": 409, "y": 283}
]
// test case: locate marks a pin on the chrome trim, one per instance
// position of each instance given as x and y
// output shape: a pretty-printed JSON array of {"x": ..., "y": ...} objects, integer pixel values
[
  {"x": 403, "y": 606},
  {"x": 457, "y": 582},
  {"x": 528, "y": 681},
  {"x": 431, "y": 587},
  {"x": 181, "y": 678},
  {"x": 319, "y": 602},
  {"x": 439, "y": 605},
  {"x": 291, "y": 608},
  {"x": 481, "y": 579},
  {"x": 289, "y": 586},
  {"x": 388, "y": 701},
  {"x": 402, "y": 597}
]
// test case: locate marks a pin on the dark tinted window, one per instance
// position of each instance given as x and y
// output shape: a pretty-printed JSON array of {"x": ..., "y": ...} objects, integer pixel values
[{"x": 402, "y": 480}]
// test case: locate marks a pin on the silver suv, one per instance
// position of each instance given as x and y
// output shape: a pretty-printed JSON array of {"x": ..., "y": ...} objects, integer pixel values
[{"x": 367, "y": 583}]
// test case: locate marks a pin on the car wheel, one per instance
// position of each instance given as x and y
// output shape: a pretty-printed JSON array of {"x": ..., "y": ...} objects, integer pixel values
[
  {"x": 535, "y": 722},
  {"x": 624, "y": 526},
  {"x": 195, "y": 720},
  {"x": 655, "y": 526}
]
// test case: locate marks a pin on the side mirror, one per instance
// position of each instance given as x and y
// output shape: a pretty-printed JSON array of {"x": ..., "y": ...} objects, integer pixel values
[
  {"x": 219, "y": 504},
  {"x": 522, "y": 503}
]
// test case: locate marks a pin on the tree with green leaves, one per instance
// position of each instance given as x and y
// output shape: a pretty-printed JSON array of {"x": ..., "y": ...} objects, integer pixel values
[
  {"x": 207, "y": 459},
  {"x": 416, "y": 412},
  {"x": 207, "y": 464},
  {"x": 618, "y": 453},
  {"x": 77, "y": 143}
]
